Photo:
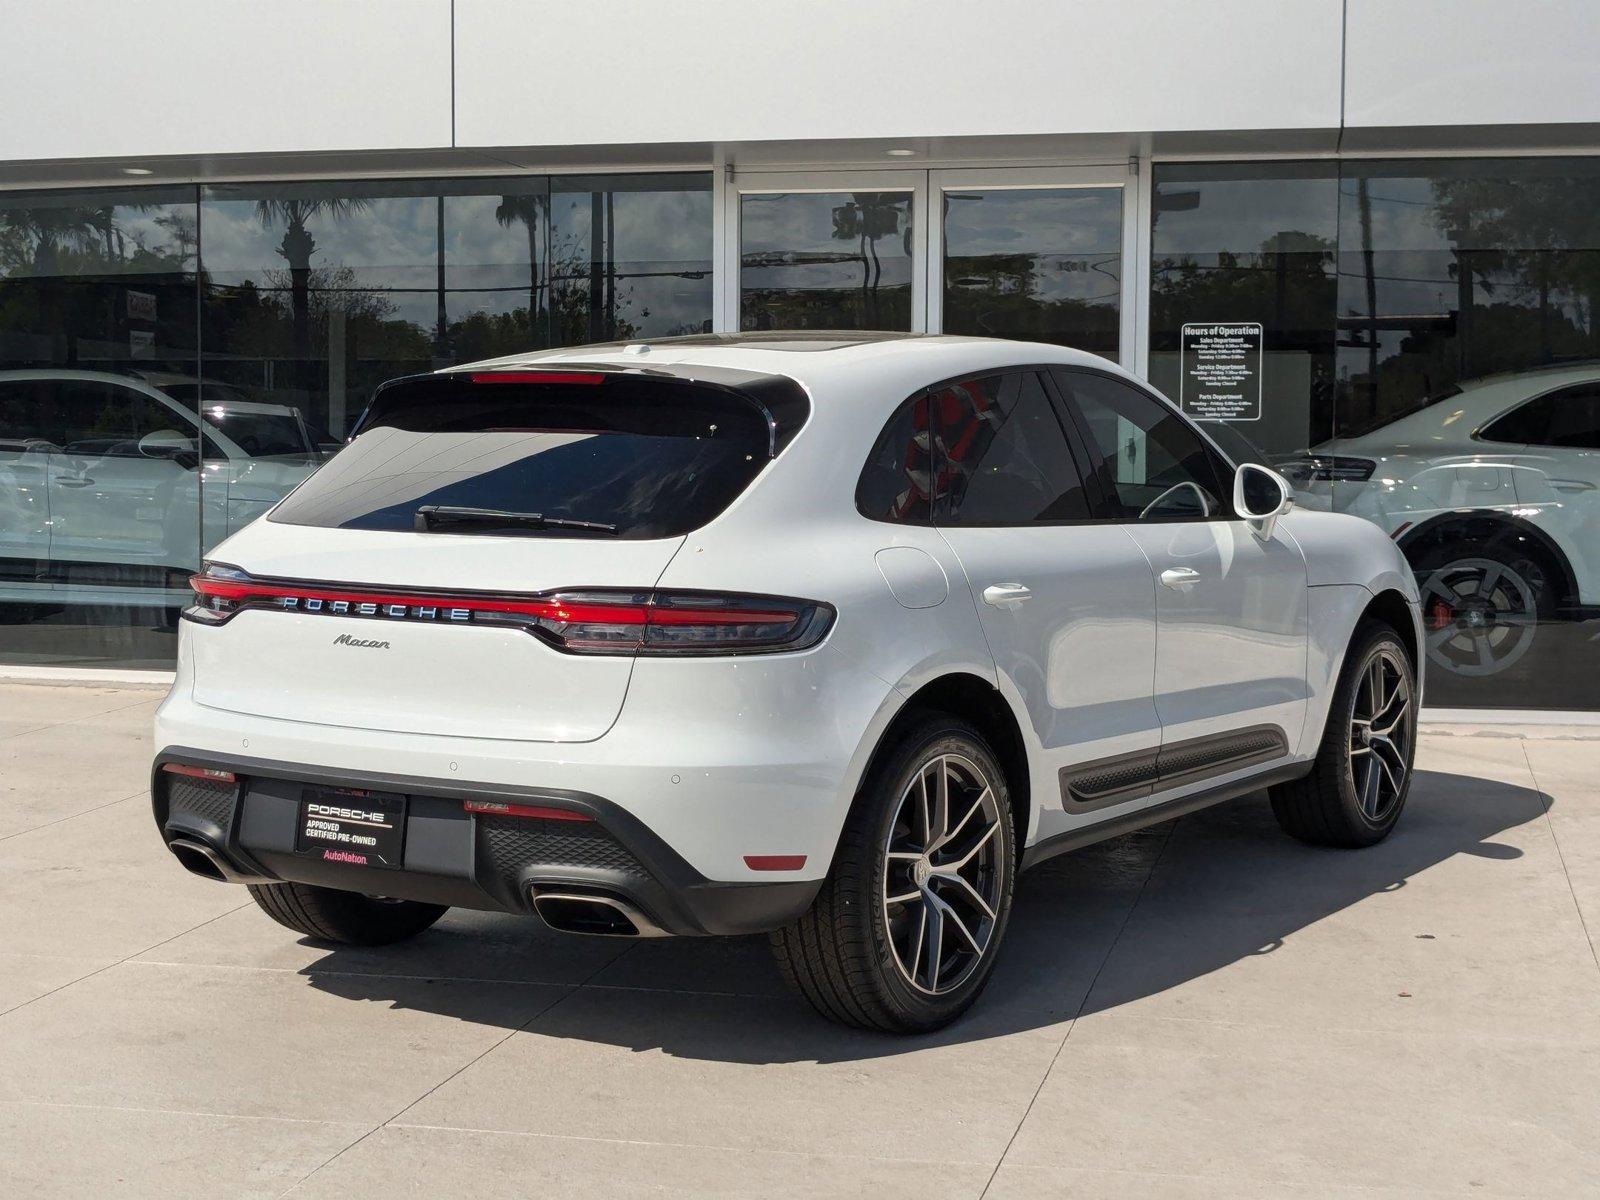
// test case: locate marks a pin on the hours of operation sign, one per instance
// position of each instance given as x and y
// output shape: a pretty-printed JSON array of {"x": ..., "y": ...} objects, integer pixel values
[{"x": 1220, "y": 378}]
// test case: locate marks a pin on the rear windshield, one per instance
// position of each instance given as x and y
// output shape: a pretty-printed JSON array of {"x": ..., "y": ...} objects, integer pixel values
[{"x": 625, "y": 458}]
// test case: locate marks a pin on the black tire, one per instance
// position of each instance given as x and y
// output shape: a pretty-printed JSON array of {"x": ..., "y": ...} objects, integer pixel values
[
  {"x": 846, "y": 955},
  {"x": 1332, "y": 806},
  {"x": 344, "y": 918}
]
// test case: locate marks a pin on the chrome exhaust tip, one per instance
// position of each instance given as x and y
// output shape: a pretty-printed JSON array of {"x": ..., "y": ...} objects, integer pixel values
[
  {"x": 591, "y": 913},
  {"x": 206, "y": 861}
]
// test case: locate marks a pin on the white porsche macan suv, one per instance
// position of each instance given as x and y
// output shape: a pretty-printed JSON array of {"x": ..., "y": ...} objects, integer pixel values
[
  {"x": 1491, "y": 488},
  {"x": 821, "y": 635}
]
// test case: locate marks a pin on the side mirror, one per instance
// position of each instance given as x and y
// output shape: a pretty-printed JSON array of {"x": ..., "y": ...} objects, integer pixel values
[
  {"x": 1261, "y": 496},
  {"x": 171, "y": 445}
]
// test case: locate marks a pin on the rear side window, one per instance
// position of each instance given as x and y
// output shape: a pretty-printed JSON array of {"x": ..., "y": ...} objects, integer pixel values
[
  {"x": 28, "y": 413},
  {"x": 1569, "y": 417},
  {"x": 611, "y": 457},
  {"x": 1007, "y": 455},
  {"x": 896, "y": 483},
  {"x": 261, "y": 435},
  {"x": 1523, "y": 424}
]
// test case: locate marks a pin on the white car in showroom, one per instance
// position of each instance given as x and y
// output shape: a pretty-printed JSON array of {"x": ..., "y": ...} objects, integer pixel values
[
  {"x": 118, "y": 479},
  {"x": 1492, "y": 490},
  {"x": 826, "y": 635}
]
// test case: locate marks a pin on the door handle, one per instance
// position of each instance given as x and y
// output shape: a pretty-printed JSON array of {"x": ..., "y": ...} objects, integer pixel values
[
  {"x": 1002, "y": 595},
  {"x": 79, "y": 481},
  {"x": 1572, "y": 485},
  {"x": 1181, "y": 578}
]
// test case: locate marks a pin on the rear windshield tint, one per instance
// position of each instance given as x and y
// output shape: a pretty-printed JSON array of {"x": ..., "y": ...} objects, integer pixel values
[{"x": 641, "y": 457}]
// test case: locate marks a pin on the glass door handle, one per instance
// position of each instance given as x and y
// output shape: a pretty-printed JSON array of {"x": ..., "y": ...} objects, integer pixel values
[
  {"x": 1003, "y": 595},
  {"x": 1180, "y": 578}
]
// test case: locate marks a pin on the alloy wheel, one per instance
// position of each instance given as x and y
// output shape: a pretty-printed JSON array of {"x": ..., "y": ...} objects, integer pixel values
[
  {"x": 1480, "y": 615},
  {"x": 943, "y": 881},
  {"x": 1381, "y": 725}
]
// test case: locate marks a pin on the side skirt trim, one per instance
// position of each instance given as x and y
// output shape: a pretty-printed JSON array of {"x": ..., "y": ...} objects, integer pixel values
[
  {"x": 1123, "y": 777},
  {"x": 1076, "y": 839}
]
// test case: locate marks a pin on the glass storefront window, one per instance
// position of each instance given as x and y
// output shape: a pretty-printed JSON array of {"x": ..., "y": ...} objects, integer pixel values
[
  {"x": 316, "y": 293},
  {"x": 1412, "y": 341},
  {"x": 1039, "y": 264},
  {"x": 629, "y": 258},
  {"x": 825, "y": 260},
  {"x": 174, "y": 361},
  {"x": 1428, "y": 358},
  {"x": 1243, "y": 245},
  {"x": 1469, "y": 356},
  {"x": 1460, "y": 269},
  {"x": 99, "y": 447}
]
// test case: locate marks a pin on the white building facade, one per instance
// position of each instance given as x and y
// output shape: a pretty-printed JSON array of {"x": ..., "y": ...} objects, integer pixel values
[{"x": 1307, "y": 221}]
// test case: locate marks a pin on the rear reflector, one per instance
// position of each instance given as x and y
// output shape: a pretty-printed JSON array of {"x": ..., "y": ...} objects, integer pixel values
[
  {"x": 199, "y": 772},
  {"x": 496, "y": 809},
  {"x": 774, "y": 862},
  {"x": 580, "y": 378},
  {"x": 597, "y": 621}
]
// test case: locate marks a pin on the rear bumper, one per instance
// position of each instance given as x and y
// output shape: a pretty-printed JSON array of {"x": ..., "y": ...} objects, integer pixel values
[
  {"x": 245, "y": 832},
  {"x": 720, "y": 758}
]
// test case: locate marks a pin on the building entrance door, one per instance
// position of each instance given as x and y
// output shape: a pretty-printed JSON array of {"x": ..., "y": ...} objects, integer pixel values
[
  {"x": 825, "y": 251},
  {"x": 1038, "y": 254}
]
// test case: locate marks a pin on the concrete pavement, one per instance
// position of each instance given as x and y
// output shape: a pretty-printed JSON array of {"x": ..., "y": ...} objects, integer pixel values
[{"x": 1201, "y": 1009}]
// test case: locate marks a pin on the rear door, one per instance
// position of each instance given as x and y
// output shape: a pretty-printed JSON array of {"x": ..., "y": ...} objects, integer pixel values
[
  {"x": 113, "y": 500},
  {"x": 1230, "y": 670},
  {"x": 1067, "y": 604}
]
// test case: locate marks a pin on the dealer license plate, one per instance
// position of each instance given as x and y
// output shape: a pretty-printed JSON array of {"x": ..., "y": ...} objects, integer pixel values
[{"x": 364, "y": 829}]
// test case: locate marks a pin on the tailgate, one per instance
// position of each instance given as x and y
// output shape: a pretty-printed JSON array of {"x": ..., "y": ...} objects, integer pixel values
[{"x": 408, "y": 666}]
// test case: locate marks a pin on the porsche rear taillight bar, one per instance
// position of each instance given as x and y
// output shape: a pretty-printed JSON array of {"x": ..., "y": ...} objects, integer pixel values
[{"x": 576, "y": 621}]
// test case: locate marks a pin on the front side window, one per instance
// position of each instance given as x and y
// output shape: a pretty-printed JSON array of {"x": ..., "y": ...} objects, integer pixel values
[
  {"x": 106, "y": 420},
  {"x": 1155, "y": 466},
  {"x": 1006, "y": 458}
]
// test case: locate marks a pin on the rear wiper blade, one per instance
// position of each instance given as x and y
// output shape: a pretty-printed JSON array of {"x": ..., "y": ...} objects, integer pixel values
[{"x": 431, "y": 516}]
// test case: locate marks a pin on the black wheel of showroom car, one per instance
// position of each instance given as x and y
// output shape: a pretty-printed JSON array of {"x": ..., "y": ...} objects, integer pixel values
[
  {"x": 1362, "y": 775},
  {"x": 1482, "y": 604},
  {"x": 345, "y": 918},
  {"x": 904, "y": 933}
]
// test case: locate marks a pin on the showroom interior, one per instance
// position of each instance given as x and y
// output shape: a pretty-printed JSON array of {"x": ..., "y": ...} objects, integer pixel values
[{"x": 1403, "y": 317}]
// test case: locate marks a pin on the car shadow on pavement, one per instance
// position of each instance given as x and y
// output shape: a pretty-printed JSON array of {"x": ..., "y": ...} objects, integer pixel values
[{"x": 1116, "y": 923}]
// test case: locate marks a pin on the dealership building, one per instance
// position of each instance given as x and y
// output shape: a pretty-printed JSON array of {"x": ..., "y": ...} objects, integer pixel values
[{"x": 1359, "y": 238}]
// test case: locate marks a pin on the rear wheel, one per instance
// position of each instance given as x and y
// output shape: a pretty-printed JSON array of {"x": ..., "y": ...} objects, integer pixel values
[
  {"x": 346, "y": 918},
  {"x": 904, "y": 933},
  {"x": 1362, "y": 775}
]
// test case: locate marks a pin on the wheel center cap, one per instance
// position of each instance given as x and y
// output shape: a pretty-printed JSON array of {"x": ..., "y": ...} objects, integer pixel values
[{"x": 920, "y": 871}]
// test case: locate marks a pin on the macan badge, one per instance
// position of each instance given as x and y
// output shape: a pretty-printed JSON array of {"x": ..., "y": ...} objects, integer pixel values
[{"x": 344, "y": 639}]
